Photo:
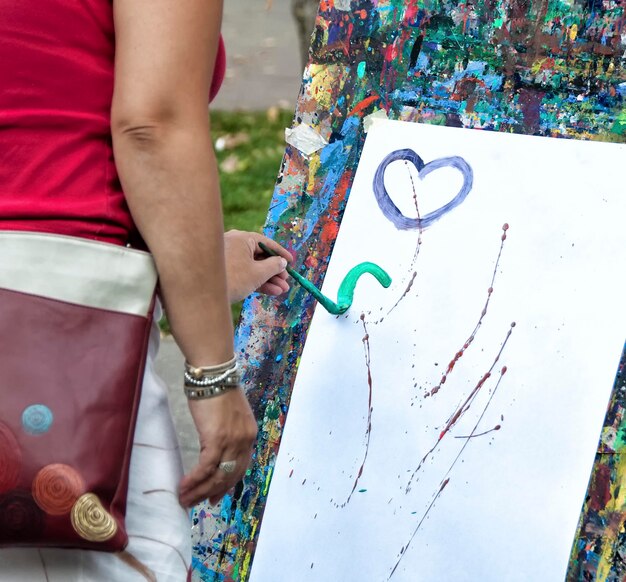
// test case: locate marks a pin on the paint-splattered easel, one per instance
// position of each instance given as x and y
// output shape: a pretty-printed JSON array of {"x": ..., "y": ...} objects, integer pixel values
[{"x": 543, "y": 67}]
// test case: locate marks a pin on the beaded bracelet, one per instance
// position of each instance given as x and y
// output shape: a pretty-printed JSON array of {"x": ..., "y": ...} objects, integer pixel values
[
  {"x": 209, "y": 381},
  {"x": 209, "y": 392}
]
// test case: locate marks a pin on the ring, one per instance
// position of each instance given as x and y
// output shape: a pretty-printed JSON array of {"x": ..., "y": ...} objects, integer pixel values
[{"x": 227, "y": 466}]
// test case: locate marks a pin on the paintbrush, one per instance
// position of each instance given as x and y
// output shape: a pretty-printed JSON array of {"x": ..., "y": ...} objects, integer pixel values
[
  {"x": 329, "y": 305},
  {"x": 345, "y": 294}
]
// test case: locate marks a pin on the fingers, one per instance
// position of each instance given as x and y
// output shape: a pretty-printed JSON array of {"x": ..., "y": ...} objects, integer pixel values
[
  {"x": 276, "y": 279},
  {"x": 282, "y": 251},
  {"x": 193, "y": 483},
  {"x": 277, "y": 285},
  {"x": 268, "y": 269},
  {"x": 219, "y": 482},
  {"x": 227, "y": 430},
  {"x": 223, "y": 482}
]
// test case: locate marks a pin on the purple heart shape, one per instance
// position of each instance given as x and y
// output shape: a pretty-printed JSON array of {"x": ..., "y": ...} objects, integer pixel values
[{"x": 392, "y": 212}]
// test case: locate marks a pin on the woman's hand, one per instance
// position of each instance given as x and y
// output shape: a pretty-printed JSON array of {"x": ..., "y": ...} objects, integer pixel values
[
  {"x": 248, "y": 269},
  {"x": 227, "y": 431}
]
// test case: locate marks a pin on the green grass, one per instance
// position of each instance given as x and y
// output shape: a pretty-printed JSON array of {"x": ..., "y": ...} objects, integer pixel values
[
  {"x": 248, "y": 183},
  {"x": 247, "y": 170}
]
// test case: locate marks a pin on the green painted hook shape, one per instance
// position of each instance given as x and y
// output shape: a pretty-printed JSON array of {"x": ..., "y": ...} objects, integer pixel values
[{"x": 345, "y": 295}]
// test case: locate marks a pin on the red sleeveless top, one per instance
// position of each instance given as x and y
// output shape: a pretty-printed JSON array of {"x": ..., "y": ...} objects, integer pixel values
[{"x": 57, "y": 172}]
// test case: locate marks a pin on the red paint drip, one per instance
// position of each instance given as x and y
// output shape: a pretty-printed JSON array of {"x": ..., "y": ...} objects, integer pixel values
[
  {"x": 443, "y": 485},
  {"x": 471, "y": 436},
  {"x": 466, "y": 405},
  {"x": 483, "y": 313},
  {"x": 368, "y": 431},
  {"x": 417, "y": 248},
  {"x": 463, "y": 408},
  {"x": 446, "y": 478}
]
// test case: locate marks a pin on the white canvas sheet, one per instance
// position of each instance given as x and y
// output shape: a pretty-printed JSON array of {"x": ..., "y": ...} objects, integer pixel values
[{"x": 498, "y": 507}]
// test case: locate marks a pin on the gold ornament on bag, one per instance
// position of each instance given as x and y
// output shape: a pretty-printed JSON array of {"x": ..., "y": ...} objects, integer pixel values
[{"x": 91, "y": 521}]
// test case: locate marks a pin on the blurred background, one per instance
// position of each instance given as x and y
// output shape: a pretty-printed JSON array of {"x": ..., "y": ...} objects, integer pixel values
[
  {"x": 263, "y": 55},
  {"x": 266, "y": 48}
]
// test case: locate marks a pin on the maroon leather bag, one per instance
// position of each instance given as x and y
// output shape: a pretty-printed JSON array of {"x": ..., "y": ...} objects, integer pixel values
[{"x": 75, "y": 318}]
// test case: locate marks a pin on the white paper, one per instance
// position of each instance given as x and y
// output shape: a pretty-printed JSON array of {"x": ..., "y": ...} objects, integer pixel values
[{"x": 510, "y": 508}]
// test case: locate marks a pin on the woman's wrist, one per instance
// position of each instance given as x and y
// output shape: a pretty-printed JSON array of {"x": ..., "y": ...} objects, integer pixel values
[{"x": 201, "y": 382}]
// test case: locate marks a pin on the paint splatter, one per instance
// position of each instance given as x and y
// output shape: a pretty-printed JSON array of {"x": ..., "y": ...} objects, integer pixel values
[
  {"x": 600, "y": 541},
  {"x": 471, "y": 436},
  {"x": 368, "y": 431},
  {"x": 418, "y": 246},
  {"x": 461, "y": 410},
  {"x": 410, "y": 158},
  {"x": 442, "y": 486},
  {"x": 472, "y": 336}
]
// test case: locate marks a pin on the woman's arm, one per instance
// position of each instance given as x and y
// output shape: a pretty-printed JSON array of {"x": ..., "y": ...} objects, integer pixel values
[{"x": 165, "y": 53}]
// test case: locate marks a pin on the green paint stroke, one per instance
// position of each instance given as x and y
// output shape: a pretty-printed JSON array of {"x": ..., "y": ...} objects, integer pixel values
[
  {"x": 360, "y": 70},
  {"x": 345, "y": 295}
]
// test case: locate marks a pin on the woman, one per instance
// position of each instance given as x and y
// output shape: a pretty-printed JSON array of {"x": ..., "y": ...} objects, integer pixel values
[{"x": 93, "y": 91}]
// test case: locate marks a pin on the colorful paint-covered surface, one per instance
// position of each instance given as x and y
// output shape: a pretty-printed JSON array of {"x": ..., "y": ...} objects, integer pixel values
[
  {"x": 539, "y": 67},
  {"x": 599, "y": 550}
]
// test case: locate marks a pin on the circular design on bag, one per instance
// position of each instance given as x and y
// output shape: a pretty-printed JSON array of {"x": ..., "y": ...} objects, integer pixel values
[
  {"x": 10, "y": 459},
  {"x": 20, "y": 518},
  {"x": 57, "y": 487},
  {"x": 37, "y": 419},
  {"x": 91, "y": 521}
]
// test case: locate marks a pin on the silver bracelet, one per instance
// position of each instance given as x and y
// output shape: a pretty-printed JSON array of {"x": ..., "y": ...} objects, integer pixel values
[
  {"x": 209, "y": 391},
  {"x": 210, "y": 381}
]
